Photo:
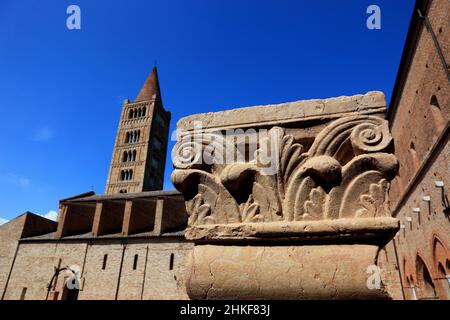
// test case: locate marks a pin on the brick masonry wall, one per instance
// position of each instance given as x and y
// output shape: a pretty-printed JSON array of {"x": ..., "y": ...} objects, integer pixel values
[
  {"x": 9, "y": 234},
  {"x": 418, "y": 238},
  {"x": 420, "y": 131},
  {"x": 152, "y": 278}
]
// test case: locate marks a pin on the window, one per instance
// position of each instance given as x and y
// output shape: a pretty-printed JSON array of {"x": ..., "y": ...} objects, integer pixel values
[
  {"x": 135, "y": 261},
  {"x": 123, "y": 191},
  {"x": 144, "y": 109},
  {"x": 105, "y": 259},
  {"x": 124, "y": 156},
  {"x": 172, "y": 257},
  {"x": 130, "y": 114},
  {"x": 133, "y": 156}
]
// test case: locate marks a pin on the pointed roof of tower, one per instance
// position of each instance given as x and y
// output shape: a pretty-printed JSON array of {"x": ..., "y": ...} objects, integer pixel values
[{"x": 150, "y": 87}]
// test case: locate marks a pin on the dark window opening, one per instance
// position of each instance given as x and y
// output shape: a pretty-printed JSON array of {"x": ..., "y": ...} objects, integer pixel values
[
  {"x": 105, "y": 259},
  {"x": 135, "y": 262},
  {"x": 172, "y": 257}
]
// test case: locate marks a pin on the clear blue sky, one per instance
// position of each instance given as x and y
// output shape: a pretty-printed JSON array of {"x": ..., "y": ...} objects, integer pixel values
[{"x": 61, "y": 90}]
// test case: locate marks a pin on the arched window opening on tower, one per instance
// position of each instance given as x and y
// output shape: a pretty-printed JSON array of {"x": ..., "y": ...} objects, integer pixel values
[
  {"x": 124, "y": 156},
  {"x": 126, "y": 175},
  {"x": 144, "y": 109},
  {"x": 127, "y": 137},
  {"x": 130, "y": 114},
  {"x": 139, "y": 112},
  {"x": 436, "y": 113},
  {"x": 134, "y": 155}
]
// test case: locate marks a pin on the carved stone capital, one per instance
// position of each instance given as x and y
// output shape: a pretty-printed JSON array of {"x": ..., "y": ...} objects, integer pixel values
[{"x": 323, "y": 177}]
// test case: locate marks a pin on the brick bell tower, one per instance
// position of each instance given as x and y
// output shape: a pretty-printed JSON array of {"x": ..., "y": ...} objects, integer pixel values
[{"x": 139, "y": 154}]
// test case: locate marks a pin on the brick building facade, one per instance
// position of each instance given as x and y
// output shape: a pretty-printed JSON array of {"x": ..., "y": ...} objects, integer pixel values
[{"x": 419, "y": 116}]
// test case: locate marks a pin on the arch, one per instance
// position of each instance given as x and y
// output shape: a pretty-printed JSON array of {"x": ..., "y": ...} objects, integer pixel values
[
  {"x": 122, "y": 175},
  {"x": 138, "y": 135},
  {"x": 440, "y": 253},
  {"x": 127, "y": 137},
  {"x": 140, "y": 112},
  {"x": 130, "y": 175},
  {"x": 134, "y": 155},
  {"x": 73, "y": 295},
  {"x": 144, "y": 109},
  {"x": 130, "y": 114},
  {"x": 134, "y": 113},
  {"x": 436, "y": 114},
  {"x": 124, "y": 156},
  {"x": 424, "y": 279}
]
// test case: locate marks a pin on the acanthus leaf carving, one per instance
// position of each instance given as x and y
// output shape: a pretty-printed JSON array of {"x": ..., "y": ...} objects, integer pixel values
[
  {"x": 344, "y": 173},
  {"x": 375, "y": 201}
]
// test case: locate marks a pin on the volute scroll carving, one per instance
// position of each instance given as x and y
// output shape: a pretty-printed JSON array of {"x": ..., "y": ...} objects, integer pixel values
[{"x": 344, "y": 173}]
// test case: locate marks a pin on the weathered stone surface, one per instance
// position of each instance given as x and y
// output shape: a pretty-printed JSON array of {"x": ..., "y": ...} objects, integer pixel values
[
  {"x": 371, "y": 102},
  {"x": 305, "y": 174},
  {"x": 282, "y": 272}
]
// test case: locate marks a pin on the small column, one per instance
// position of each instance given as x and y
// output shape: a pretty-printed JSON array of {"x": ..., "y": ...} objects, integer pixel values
[
  {"x": 158, "y": 229},
  {"x": 97, "y": 219},
  {"x": 127, "y": 217},
  {"x": 61, "y": 221}
]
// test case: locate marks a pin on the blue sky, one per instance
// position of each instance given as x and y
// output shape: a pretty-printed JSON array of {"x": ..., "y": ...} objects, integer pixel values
[{"x": 61, "y": 90}]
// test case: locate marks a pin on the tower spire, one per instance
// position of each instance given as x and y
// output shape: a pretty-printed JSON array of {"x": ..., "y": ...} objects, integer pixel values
[{"x": 150, "y": 87}]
